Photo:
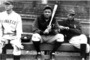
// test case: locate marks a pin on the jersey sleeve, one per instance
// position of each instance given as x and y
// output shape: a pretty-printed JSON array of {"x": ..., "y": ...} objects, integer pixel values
[
  {"x": 36, "y": 27},
  {"x": 55, "y": 26},
  {"x": 19, "y": 27},
  {"x": 1, "y": 32},
  {"x": 76, "y": 28}
]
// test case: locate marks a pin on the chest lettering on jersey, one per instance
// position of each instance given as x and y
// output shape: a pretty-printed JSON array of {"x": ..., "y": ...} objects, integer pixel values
[{"x": 10, "y": 22}]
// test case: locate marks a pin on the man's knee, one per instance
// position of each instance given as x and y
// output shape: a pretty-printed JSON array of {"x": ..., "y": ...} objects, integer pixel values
[
  {"x": 17, "y": 43},
  {"x": 83, "y": 38},
  {"x": 60, "y": 37},
  {"x": 16, "y": 50},
  {"x": 1, "y": 47},
  {"x": 36, "y": 37},
  {"x": 16, "y": 53},
  {"x": 87, "y": 48},
  {"x": 0, "y": 50}
]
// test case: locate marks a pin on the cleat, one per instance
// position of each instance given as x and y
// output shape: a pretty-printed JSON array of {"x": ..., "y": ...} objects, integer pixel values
[
  {"x": 38, "y": 56},
  {"x": 52, "y": 56}
]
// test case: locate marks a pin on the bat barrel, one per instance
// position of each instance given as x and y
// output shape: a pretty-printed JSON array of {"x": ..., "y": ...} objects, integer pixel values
[{"x": 53, "y": 13}]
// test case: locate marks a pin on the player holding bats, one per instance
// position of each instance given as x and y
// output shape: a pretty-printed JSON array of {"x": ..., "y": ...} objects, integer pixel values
[{"x": 46, "y": 30}]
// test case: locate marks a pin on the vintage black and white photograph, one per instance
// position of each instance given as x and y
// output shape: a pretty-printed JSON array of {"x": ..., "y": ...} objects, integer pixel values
[{"x": 44, "y": 29}]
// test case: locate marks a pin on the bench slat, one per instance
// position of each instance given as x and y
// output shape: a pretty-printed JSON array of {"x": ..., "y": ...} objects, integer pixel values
[{"x": 64, "y": 47}]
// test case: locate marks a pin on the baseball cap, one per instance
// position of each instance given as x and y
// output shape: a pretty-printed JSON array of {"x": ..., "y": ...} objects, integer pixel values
[
  {"x": 71, "y": 12},
  {"x": 8, "y": 3},
  {"x": 47, "y": 7}
]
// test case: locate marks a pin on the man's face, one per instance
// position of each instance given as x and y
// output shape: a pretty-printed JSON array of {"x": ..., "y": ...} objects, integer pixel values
[
  {"x": 8, "y": 7},
  {"x": 71, "y": 16},
  {"x": 47, "y": 13}
]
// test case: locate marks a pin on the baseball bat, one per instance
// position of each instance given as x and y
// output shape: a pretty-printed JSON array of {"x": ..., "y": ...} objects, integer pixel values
[{"x": 53, "y": 14}]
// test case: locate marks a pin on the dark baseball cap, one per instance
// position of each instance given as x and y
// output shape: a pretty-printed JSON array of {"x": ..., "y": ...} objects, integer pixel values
[
  {"x": 47, "y": 7},
  {"x": 8, "y": 3},
  {"x": 71, "y": 12}
]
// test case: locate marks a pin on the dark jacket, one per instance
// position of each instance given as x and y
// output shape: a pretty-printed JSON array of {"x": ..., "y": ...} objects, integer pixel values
[
  {"x": 75, "y": 28},
  {"x": 41, "y": 24}
]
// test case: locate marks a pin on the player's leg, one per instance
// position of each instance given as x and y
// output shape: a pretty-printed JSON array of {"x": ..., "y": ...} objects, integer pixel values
[
  {"x": 2, "y": 46},
  {"x": 84, "y": 46},
  {"x": 16, "y": 53},
  {"x": 58, "y": 38},
  {"x": 3, "y": 41},
  {"x": 36, "y": 42},
  {"x": 17, "y": 46},
  {"x": 80, "y": 42}
]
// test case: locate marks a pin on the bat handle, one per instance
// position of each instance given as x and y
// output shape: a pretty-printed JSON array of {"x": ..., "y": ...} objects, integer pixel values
[{"x": 48, "y": 27}]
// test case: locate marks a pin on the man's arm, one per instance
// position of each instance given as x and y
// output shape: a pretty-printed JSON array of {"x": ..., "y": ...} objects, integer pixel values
[
  {"x": 36, "y": 27},
  {"x": 73, "y": 28},
  {"x": 76, "y": 29},
  {"x": 19, "y": 27},
  {"x": 63, "y": 25},
  {"x": 17, "y": 41},
  {"x": 1, "y": 29},
  {"x": 56, "y": 26},
  {"x": 1, "y": 32}
]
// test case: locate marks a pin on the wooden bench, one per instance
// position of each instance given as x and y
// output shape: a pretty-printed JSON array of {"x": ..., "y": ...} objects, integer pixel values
[
  {"x": 65, "y": 47},
  {"x": 28, "y": 46}
]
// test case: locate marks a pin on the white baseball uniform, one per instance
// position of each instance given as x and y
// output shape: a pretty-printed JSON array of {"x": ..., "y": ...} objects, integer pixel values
[{"x": 11, "y": 25}]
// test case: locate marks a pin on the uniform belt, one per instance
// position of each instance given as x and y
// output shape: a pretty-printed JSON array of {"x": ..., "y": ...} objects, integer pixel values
[{"x": 9, "y": 34}]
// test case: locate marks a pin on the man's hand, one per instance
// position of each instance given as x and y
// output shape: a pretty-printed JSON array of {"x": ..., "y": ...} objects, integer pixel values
[
  {"x": 20, "y": 46},
  {"x": 67, "y": 28},
  {"x": 47, "y": 30},
  {"x": 49, "y": 27},
  {"x": 63, "y": 27}
]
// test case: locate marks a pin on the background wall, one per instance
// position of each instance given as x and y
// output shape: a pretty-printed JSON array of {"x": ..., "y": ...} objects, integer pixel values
[
  {"x": 35, "y": 7},
  {"x": 30, "y": 9}
]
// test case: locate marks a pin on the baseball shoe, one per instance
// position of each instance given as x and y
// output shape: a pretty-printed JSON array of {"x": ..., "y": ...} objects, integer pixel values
[
  {"x": 52, "y": 56},
  {"x": 38, "y": 56}
]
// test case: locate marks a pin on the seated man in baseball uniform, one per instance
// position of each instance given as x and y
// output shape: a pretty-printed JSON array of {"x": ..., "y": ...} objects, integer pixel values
[
  {"x": 45, "y": 33},
  {"x": 72, "y": 30},
  {"x": 11, "y": 28}
]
